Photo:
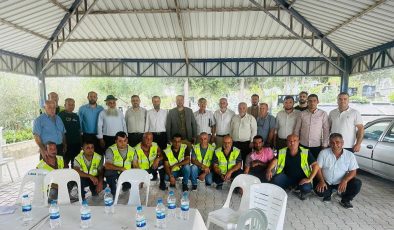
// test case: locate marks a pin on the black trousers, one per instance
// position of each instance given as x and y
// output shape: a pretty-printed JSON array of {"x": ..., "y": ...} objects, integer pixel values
[
  {"x": 244, "y": 147},
  {"x": 85, "y": 182},
  {"x": 259, "y": 172},
  {"x": 93, "y": 138},
  {"x": 134, "y": 138},
  {"x": 352, "y": 189},
  {"x": 109, "y": 140},
  {"x": 160, "y": 139},
  {"x": 218, "y": 179},
  {"x": 314, "y": 150},
  {"x": 72, "y": 151}
]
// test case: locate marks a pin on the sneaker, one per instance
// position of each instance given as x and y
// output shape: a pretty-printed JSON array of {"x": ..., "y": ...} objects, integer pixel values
[
  {"x": 185, "y": 188},
  {"x": 346, "y": 204},
  {"x": 327, "y": 199},
  {"x": 194, "y": 187},
  {"x": 219, "y": 187},
  {"x": 163, "y": 187},
  {"x": 206, "y": 184}
]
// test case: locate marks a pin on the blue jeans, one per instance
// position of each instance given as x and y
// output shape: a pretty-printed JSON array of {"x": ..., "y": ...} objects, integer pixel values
[
  {"x": 184, "y": 172},
  {"x": 283, "y": 181},
  {"x": 195, "y": 172}
]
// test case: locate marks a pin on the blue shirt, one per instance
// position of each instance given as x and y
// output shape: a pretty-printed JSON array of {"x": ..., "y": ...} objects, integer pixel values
[
  {"x": 264, "y": 125},
  {"x": 48, "y": 129},
  {"x": 88, "y": 117}
]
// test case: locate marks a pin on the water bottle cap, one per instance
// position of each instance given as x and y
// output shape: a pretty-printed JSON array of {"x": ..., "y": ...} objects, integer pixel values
[
  {"x": 53, "y": 201},
  {"x": 25, "y": 196},
  {"x": 159, "y": 201},
  {"x": 185, "y": 193},
  {"x": 107, "y": 189},
  {"x": 84, "y": 202},
  {"x": 139, "y": 208},
  {"x": 171, "y": 193}
]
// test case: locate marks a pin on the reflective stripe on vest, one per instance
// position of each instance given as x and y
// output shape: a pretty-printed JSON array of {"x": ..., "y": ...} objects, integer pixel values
[
  {"x": 171, "y": 158},
  {"x": 208, "y": 155},
  {"x": 44, "y": 165},
  {"x": 225, "y": 165},
  {"x": 143, "y": 161},
  {"x": 95, "y": 163},
  {"x": 119, "y": 161},
  {"x": 304, "y": 161}
]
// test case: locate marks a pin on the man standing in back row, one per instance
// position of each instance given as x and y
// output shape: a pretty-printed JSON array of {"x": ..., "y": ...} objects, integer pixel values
[
  {"x": 135, "y": 121},
  {"x": 222, "y": 122}
]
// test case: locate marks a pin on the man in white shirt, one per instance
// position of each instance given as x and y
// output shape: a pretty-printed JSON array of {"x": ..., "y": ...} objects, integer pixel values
[
  {"x": 338, "y": 171},
  {"x": 204, "y": 119},
  {"x": 110, "y": 121},
  {"x": 222, "y": 119},
  {"x": 348, "y": 122},
  {"x": 135, "y": 121},
  {"x": 285, "y": 122},
  {"x": 156, "y": 123},
  {"x": 243, "y": 128}
]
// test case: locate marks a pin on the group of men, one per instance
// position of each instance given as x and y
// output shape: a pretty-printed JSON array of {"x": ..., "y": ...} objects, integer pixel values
[{"x": 205, "y": 145}]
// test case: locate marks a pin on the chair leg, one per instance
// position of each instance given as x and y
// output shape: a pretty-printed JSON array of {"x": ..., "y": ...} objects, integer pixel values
[
  {"x": 208, "y": 223},
  {"x": 17, "y": 169},
  {"x": 9, "y": 171}
]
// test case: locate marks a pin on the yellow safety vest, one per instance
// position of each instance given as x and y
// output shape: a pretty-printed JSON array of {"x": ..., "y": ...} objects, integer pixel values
[
  {"x": 44, "y": 165},
  {"x": 94, "y": 165},
  {"x": 225, "y": 165},
  {"x": 304, "y": 161},
  {"x": 143, "y": 161},
  {"x": 208, "y": 155},
  {"x": 119, "y": 161},
  {"x": 171, "y": 158}
]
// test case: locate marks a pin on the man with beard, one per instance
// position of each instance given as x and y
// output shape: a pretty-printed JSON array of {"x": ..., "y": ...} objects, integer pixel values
[
  {"x": 285, "y": 122},
  {"x": 266, "y": 125},
  {"x": 88, "y": 115},
  {"x": 254, "y": 109},
  {"x": 135, "y": 121},
  {"x": 257, "y": 161},
  {"x": 110, "y": 121},
  {"x": 222, "y": 122},
  {"x": 302, "y": 101},
  {"x": 156, "y": 123},
  {"x": 204, "y": 119}
]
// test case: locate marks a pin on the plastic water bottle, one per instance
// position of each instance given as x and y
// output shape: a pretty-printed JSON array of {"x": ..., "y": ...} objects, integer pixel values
[
  {"x": 54, "y": 215},
  {"x": 26, "y": 209},
  {"x": 88, "y": 193},
  {"x": 86, "y": 216},
  {"x": 160, "y": 215},
  {"x": 171, "y": 204},
  {"x": 185, "y": 206},
  {"x": 108, "y": 201},
  {"x": 140, "y": 220}
]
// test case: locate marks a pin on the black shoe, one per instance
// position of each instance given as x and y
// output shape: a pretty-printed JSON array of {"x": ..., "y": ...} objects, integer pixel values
[
  {"x": 303, "y": 196},
  {"x": 206, "y": 184},
  {"x": 172, "y": 185},
  {"x": 327, "y": 199},
  {"x": 163, "y": 187},
  {"x": 219, "y": 187},
  {"x": 154, "y": 178},
  {"x": 346, "y": 204},
  {"x": 194, "y": 187},
  {"x": 185, "y": 188}
]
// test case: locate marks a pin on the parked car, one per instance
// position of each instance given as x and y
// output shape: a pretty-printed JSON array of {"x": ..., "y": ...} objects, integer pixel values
[{"x": 377, "y": 149}]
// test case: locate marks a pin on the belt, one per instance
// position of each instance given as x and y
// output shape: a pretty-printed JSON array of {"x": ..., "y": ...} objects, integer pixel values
[{"x": 222, "y": 135}]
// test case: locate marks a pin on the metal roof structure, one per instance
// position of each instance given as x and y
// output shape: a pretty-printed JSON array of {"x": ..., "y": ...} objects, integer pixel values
[{"x": 218, "y": 38}]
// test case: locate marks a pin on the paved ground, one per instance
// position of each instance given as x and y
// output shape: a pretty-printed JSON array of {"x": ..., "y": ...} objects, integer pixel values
[{"x": 373, "y": 207}]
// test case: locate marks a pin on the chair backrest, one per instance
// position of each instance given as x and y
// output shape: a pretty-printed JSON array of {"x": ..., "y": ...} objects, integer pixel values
[
  {"x": 243, "y": 181},
  {"x": 37, "y": 177},
  {"x": 134, "y": 177},
  {"x": 272, "y": 200},
  {"x": 61, "y": 177},
  {"x": 253, "y": 219}
]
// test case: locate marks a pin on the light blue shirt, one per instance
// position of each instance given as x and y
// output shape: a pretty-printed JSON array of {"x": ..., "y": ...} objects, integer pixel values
[
  {"x": 334, "y": 169},
  {"x": 88, "y": 117},
  {"x": 49, "y": 129},
  {"x": 264, "y": 125}
]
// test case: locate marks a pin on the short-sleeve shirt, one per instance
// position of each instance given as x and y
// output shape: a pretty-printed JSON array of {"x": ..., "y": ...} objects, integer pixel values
[
  {"x": 109, "y": 155},
  {"x": 264, "y": 125},
  {"x": 293, "y": 165},
  {"x": 334, "y": 169},
  {"x": 49, "y": 129},
  {"x": 345, "y": 123},
  {"x": 176, "y": 153},
  {"x": 216, "y": 161},
  {"x": 264, "y": 156},
  {"x": 88, "y": 163}
]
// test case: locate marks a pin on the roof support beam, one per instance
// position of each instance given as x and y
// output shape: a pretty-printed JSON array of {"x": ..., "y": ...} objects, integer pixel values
[
  {"x": 355, "y": 17},
  {"x": 318, "y": 43},
  {"x": 65, "y": 29},
  {"x": 13, "y": 25},
  {"x": 180, "y": 23},
  {"x": 187, "y": 39},
  {"x": 58, "y": 4}
]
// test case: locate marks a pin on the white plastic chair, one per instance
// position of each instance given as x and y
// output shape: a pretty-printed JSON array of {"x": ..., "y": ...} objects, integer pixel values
[
  {"x": 253, "y": 219},
  {"x": 226, "y": 217},
  {"x": 61, "y": 177},
  {"x": 37, "y": 177},
  {"x": 272, "y": 200},
  {"x": 134, "y": 177},
  {"x": 5, "y": 161}
]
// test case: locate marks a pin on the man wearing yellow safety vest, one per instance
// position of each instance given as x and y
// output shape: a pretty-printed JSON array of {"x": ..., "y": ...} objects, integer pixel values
[
  {"x": 177, "y": 162},
  {"x": 89, "y": 166},
  {"x": 149, "y": 158},
  {"x": 227, "y": 162},
  {"x": 202, "y": 155},
  {"x": 294, "y": 167},
  {"x": 118, "y": 158}
]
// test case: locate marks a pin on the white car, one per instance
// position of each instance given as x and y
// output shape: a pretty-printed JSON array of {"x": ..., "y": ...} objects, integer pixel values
[{"x": 377, "y": 149}]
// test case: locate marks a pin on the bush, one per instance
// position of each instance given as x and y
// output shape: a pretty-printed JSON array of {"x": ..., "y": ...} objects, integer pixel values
[
  {"x": 358, "y": 99},
  {"x": 391, "y": 97},
  {"x": 12, "y": 136}
]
